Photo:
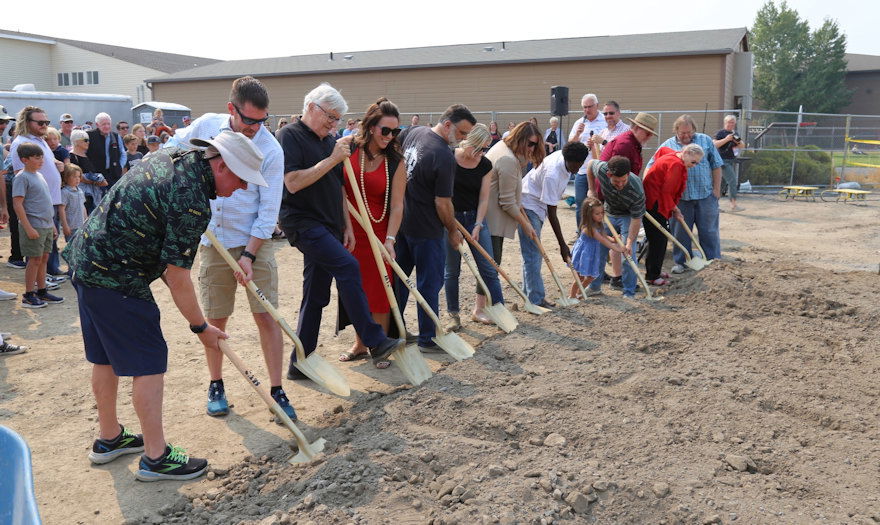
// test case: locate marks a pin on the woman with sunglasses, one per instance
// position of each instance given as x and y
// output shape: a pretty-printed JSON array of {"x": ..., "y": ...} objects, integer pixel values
[
  {"x": 470, "y": 197},
  {"x": 381, "y": 181},
  {"x": 509, "y": 158}
]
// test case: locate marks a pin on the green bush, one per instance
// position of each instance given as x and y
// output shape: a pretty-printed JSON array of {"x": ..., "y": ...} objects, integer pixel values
[{"x": 773, "y": 168}]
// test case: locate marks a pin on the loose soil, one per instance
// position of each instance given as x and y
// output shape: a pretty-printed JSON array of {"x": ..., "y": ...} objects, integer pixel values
[{"x": 747, "y": 395}]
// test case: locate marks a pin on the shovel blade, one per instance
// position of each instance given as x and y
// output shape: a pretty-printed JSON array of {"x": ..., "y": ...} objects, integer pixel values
[
  {"x": 455, "y": 346},
  {"x": 325, "y": 374},
  {"x": 502, "y": 317},
  {"x": 410, "y": 361},
  {"x": 308, "y": 453},
  {"x": 696, "y": 264},
  {"x": 532, "y": 308},
  {"x": 567, "y": 301}
]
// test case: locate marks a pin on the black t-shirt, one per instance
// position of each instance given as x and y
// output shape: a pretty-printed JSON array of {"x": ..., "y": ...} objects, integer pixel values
[
  {"x": 430, "y": 172},
  {"x": 84, "y": 163},
  {"x": 726, "y": 150},
  {"x": 321, "y": 203},
  {"x": 466, "y": 195}
]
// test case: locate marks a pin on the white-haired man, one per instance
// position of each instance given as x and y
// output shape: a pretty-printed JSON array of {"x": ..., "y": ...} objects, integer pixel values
[
  {"x": 106, "y": 150},
  {"x": 313, "y": 218},
  {"x": 728, "y": 142},
  {"x": 592, "y": 123}
]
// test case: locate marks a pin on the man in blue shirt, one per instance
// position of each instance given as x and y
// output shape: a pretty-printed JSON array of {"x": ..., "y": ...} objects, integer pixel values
[{"x": 699, "y": 203}]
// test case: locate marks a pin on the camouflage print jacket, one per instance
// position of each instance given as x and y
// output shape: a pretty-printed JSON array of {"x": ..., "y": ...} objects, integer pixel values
[{"x": 153, "y": 217}]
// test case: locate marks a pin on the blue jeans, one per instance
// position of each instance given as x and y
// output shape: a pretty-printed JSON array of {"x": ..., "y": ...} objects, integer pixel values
[
  {"x": 629, "y": 277},
  {"x": 533, "y": 283},
  {"x": 453, "y": 264},
  {"x": 580, "y": 193},
  {"x": 325, "y": 259},
  {"x": 428, "y": 257},
  {"x": 703, "y": 213}
]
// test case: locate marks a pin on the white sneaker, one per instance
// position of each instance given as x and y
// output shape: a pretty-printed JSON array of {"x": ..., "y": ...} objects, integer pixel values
[
  {"x": 6, "y": 296},
  {"x": 52, "y": 286},
  {"x": 678, "y": 268},
  {"x": 57, "y": 279}
]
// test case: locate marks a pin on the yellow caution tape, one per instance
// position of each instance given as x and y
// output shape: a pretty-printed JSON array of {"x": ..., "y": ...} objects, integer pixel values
[{"x": 863, "y": 141}]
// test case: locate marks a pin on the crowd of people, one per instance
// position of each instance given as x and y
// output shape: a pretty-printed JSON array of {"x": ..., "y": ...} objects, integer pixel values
[{"x": 133, "y": 205}]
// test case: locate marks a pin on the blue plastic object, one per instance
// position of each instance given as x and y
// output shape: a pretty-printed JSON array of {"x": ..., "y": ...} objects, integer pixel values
[{"x": 18, "y": 506}]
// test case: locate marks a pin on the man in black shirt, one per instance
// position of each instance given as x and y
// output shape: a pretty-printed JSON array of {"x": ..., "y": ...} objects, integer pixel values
[
  {"x": 725, "y": 140},
  {"x": 428, "y": 210},
  {"x": 313, "y": 219}
]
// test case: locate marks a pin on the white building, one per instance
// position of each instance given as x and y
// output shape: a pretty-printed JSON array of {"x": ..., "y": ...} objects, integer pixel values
[{"x": 59, "y": 64}]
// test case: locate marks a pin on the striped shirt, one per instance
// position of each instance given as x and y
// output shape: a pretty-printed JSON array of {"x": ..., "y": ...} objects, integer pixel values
[
  {"x": 610, "y": 133},
  {"x": 630, "y": 201},
  {"x": 699, "y": 181}
]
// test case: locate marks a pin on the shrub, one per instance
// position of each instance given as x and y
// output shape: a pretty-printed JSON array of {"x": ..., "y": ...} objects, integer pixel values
[{"x": 773, "y": 168}]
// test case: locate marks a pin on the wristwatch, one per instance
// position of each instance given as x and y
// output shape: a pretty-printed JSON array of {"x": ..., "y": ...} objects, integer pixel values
[
  {"x": 197, "y": 329},
  {"x": 249, "y": 255}
]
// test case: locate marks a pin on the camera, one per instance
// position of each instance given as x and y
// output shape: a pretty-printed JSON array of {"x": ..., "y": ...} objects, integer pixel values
[{"x": 736, "y": 138}]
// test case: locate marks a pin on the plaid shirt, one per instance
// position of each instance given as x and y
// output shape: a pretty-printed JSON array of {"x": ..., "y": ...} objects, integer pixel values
[{"x": 699, "y": 182}]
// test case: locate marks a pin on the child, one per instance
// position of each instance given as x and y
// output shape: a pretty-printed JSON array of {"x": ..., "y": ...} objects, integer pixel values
[
  {"x": 585, "y": 256},
  {"x": 33, "y": 205},
  {"x": 131, "y": 149},
  {"x": 53, "y": 139},
  {"x": 73, "y": 200}
]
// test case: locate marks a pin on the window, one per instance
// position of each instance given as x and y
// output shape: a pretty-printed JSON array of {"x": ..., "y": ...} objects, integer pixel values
[
  {"x": 92, "y": 77},
  {"x": 74, "y": 76},
  {"x": 63, "y": 79}
]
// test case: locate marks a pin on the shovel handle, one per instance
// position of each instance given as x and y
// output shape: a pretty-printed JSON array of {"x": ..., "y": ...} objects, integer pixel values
[
  {"x": 371, "y": 235},
  {"x": 671, "y": 237},
  {"x": 628, "y": 258},
  {"x": 577, "y": 278},
  {"x": 469, "y": 262},
  {"x": 540, "y": 246},
  {"x": 467, "y": 236},
  {"x": 693, "y": 238},
  {"x": 300, "y": 352}
]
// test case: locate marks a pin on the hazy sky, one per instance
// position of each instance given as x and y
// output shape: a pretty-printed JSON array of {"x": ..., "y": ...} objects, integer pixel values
[{"x": 219, "y": 30}]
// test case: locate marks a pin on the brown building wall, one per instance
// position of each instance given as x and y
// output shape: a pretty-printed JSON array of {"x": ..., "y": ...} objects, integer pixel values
[
  {"x": 866, "y": 93},
  {"x": 687, "y": 82}
]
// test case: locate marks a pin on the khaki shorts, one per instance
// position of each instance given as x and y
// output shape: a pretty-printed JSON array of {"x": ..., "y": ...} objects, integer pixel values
[
  {"x": 217, "y": 284},
  {"x": 35, "y": 247}
]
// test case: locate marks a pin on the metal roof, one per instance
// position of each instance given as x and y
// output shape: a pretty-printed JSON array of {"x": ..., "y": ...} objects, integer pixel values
[
  {"x": 164, "y": 62},
  {"x": 706, "y": 42},
  {"x": 861, "y": 63}
]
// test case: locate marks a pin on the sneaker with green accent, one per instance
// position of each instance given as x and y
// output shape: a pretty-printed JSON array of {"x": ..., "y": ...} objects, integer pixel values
[
  {"x": 173, "y": 464},
  {"x": 104, "y": 451}
]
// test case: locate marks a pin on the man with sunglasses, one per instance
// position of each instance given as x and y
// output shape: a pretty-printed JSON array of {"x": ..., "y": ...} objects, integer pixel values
[
  {"x": 243, "y": 222},
  {"x": 591, "y": 124},
  {"x": 66, "y": 128}
]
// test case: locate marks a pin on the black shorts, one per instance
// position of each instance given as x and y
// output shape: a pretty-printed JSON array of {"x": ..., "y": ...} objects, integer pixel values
[{"x": 121, "y": 331}]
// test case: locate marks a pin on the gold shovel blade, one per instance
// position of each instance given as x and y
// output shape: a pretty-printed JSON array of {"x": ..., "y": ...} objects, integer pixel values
[
  {"x": 502, "y": 317},
  {"x": 308, "y": 453},
  {"x": 455, "y": 346}
]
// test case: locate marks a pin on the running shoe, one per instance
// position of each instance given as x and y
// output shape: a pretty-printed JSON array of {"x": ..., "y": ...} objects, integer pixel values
[
  {"x": 57, "y": 279},
  {"x": 49, "y": 285},
  {"x": 217, "y": 404},
  {"x": 678, "y": 268},
  {"x": 281, "y": 398},
  {"x": 8, "y": 349},
  {"x": 19, "y": 265},
  {"x": 105, "y": 451},
  {"x": 173, "y": 464},
  {"x": 48, "y": 298},
  {"x": 7, "y": 296},
  {"x": 30, "y": 300}
]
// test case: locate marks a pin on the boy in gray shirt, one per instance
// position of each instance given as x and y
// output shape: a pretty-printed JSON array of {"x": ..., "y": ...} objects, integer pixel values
[{"x": 33, "y": 205}]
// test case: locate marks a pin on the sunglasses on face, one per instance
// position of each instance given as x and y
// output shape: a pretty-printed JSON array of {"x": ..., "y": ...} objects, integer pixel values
[
  {"x": 40, "y": 122},
  {"x": 250, "y": 121},
  {"x": 606, "y": 113},
  {"x": 484, "y": 150},
  {"x": 394, "y": 132},
  {"x": 533, "y": 144}
]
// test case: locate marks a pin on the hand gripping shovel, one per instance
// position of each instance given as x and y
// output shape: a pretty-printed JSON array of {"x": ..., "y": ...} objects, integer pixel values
[
  {"x": 408, "y": 359},
  {"x": 563, "y": 300},
  {"x": 529, "y": 306},
  {"x": 630, "y": 261},
  {"x": 577, "y": 278},
  {"x": 694, "y": 264},
  {"x": 307, "y": 452},
  {"x": 498, "y": 313},
  {"x": 450, "y": 342},
  {"x": 314, "y": 366},
  {"x": 694, "y": 240}
]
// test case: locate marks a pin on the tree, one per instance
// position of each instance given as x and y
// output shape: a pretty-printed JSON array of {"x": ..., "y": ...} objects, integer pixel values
[{"x": 794, "y": 66}]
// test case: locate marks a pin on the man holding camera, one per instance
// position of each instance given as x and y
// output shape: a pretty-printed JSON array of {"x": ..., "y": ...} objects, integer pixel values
[{"x": 726, "y": 140}]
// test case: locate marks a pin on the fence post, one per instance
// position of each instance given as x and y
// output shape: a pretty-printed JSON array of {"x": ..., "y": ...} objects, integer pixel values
[
  {"x": 797, "y": 130},
  {"x": 845, "y": 152}
]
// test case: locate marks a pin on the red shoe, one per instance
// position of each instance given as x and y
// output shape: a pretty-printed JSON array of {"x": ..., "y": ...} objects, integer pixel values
[{"x": 660, "y": 281}]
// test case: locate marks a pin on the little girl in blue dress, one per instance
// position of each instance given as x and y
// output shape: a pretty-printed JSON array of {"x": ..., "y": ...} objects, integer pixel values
[{"x": 585, "y": 256}]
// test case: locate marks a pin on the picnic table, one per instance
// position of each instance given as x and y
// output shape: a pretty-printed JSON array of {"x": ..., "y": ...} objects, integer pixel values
[
  {"x": 844, "y": 195},
  {"x": 807, "y": 192}
]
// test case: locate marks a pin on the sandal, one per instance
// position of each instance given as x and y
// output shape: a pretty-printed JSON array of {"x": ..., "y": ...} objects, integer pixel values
[
  {"x": 345, "y": 357},
  {"x": 659, "y": 282},
  {"x": 664, "y": 275}
]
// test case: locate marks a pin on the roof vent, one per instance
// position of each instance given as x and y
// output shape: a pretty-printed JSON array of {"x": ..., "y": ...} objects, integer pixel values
[
  {"x": 503, "y": 46},
  {"x": 331, "y": 55},
  {"x": 348, "y": 57},
  {"x": 488, "y": 49}
]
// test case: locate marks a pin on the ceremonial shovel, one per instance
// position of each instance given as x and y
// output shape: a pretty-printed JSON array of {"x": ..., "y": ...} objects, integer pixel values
[
  {"x": 630, "y": 261},
  {"x": 307, "y": 452},
  {"x": 694, "y": 264},
  {"x": 408, "y": 359},
  {"x": 577, "y": 278},
  {"x": 314, "y": 366},
  {"x": 450, "y": 342},
  {"x": 563, "y": 300},
  {"x": 498, "y": 313},
  {"x": 694, "y": 240},
  {"x": 529, "y": 306}
]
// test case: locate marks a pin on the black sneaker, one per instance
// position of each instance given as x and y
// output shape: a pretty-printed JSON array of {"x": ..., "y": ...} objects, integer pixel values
[
  {"x": 384, "y": 349},
  {"x": 173, "y": 464},
  {"x": 104, "y": 451},
  {"x": 8, "y": 349},
  {"x": 294, "y": 374},
  {"x": 617, "y": 282},
  {"x": 48, "y": 298},
  {"x": 30, "y": 300}
]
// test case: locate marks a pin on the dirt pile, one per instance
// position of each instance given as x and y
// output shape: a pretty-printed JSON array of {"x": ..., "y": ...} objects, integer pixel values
[{"x": 748, "y": 395}]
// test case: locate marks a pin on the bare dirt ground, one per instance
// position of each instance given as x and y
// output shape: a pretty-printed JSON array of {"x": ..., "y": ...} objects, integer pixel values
[{"x": 748, "y": 395}]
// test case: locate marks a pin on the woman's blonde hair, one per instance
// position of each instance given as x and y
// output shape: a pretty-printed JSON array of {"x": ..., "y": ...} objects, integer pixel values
[{"x": 478, "y": 135}]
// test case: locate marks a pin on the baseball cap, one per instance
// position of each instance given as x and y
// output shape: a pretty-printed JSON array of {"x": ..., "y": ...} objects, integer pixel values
[
  {"x": 65, "y": 117},
  {"x": 239, "y": 153},
  {"x": 4, "y": 115},
  {"x": 153, "y": 139}
]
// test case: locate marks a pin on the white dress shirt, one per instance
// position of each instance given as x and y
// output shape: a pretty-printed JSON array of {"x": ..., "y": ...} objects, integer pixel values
[{"x": 543, "y": 186}]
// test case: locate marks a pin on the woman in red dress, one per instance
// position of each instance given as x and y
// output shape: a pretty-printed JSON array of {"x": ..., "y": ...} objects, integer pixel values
[{"x": 381, "y": 180}]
